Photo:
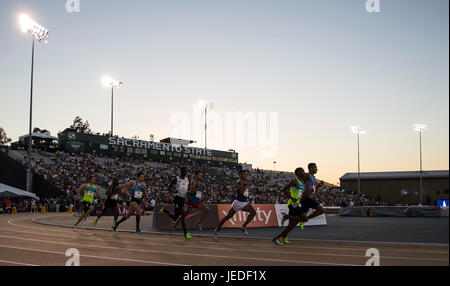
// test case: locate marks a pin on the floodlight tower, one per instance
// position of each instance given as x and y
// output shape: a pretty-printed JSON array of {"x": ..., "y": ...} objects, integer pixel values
[
  {"x": 207, "y": 106},
  {"x": 359, "y": 131},
  {"x": 108, "y": 82},
  {"x": 420, "y": 128},
  {"x": 39, "y": 33}
]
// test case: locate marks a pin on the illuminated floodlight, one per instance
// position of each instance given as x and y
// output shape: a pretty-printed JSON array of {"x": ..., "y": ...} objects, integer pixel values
[
  {"x": 420, "y": 127},
  {"x": 358, "y": 130},
  {"x": 39, "y": 32},
  {"x": 205, "y": 104},
  {"x": 108, "y": 82}
]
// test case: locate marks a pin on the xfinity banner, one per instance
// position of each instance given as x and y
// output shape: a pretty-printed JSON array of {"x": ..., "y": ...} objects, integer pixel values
[{"x": 280, "y": 209}]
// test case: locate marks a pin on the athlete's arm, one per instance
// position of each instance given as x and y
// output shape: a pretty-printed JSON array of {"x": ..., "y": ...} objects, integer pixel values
[
  {"x": 79, "y": 190},
  {"x": 109, "y": 191},
  {"x": 172, "y": 183},
  {"x": 192, "y": 187},
  {"x": 126, "y": 186},
  {"x": 287, "y": 190}
]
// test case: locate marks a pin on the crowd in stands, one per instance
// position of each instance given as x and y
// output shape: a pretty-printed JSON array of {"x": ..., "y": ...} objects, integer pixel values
[{"x": 69, "y": 171}]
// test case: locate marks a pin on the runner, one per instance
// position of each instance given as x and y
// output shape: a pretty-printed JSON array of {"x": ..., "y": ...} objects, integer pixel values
[
  {"x": 111, "y": 201},
  {"x": 308, "y": 201},
  {"x": 240, "y": 203},
  {"x": 90, "y": 191},
  {"x": 181, "y": 185},
  {"x": 296, "y": 214},
  {"x": 136, "y": 195},
  {"x": 195, "y": 199}
]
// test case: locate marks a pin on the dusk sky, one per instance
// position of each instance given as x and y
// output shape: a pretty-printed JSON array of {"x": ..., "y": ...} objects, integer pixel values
[{"x": 321, "y": 66}]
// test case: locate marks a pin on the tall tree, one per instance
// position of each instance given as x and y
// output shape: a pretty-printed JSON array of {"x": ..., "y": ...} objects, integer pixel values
[
  {"x": 80, "y": 126},
  {"x": 4, "y": 139}
]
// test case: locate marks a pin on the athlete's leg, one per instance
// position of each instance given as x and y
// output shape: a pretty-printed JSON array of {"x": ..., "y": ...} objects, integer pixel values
[
  {"x": 251, "y": 210},
  {"x": 229, "y": 215},
  {"x": 179, "y": 217},
  {"x": 319, "y": 211},
  {"x": 130, "y": 212},
  {"x": 205, "y": 211},
  {"x": 292, "y": 223},
  {"x": 116, "y": 213}
]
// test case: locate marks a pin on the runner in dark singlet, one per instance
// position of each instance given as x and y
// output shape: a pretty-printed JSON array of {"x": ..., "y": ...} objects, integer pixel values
[
  {"x": 240, "y": 203},
  {"x": 195, "y": 201},
  {"x": 111, "y": 201}
]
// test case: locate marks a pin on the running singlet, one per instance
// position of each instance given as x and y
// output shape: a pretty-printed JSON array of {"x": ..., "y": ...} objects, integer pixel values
[
  {"x": 182, "y": 187},
  {"x": 114, "y": 193},
  {"x": 137, "y": 193},
  {"x": 242, "y": 197},
  {"x": 196, "y": 198},
  {"x": 311, "y": 185},
  {"x": 296, "y": 192},
  {"x": 89, "y": 193}
]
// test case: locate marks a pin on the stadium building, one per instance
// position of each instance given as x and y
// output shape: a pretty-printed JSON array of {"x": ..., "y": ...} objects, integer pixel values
[
  {"x": 400, "y": 187},
  {"x": 167, "y": 150}
]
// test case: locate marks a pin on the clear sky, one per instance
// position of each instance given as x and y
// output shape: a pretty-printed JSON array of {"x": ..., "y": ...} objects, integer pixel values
[{"x": 322, "y": 65}]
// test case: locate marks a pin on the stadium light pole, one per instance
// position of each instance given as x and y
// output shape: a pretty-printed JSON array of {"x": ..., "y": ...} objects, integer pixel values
[
  {"x": 108, "y": 82},
  {"x": 358, "y": 131},
  {"x": 420, "y": 128},
  {"x": 206, "y": 105},
  {"x": 39, "y": 33}
]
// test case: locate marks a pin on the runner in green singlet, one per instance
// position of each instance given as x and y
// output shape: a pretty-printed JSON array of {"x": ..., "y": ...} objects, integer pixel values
[{"x": 90, "y": 193}]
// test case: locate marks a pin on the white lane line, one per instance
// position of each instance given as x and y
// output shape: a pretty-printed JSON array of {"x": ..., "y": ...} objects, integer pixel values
[
  {"x": 90, "y": 256},
  {"x": 299, "y": 247},
  {"x": 181, "y": 253},
  {"x": 17, "y": 263},
  {"x": 237, "y": 249}
]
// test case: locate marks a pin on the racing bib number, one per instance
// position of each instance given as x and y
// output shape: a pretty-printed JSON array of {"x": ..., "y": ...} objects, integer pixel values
[
  {"x": 115, "y": 197},
  {"x": 246, "y": 193},
  {"x": 90, "y": 194},
  {"x": 138, "y": 195},
  {"x": 198, "y": 195}
]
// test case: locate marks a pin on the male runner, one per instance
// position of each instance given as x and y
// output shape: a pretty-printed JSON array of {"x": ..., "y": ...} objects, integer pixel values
[
  {"x": 111, "y": 201},
  {"x": 307, "y": 200},
  {"x": 181, "y": 185},
  {"x": 90, "y": 192},
  {"x": 195, "y": 199},
  {"x": 136, "y": 195},
  {"x": 240, "y": 203},
  {"x": 296, "y": 214}
]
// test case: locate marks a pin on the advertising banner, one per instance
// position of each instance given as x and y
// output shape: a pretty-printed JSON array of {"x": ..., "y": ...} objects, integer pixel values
[
  {"x": 281, "y": 209},
  {"x": 265, "y": 216}
]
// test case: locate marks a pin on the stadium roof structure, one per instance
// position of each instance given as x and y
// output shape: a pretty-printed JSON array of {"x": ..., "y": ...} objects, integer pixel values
[
  {"x": 11, "y": 192},
  {"x": 38, "y": 135},
  {"x": 176, "y": 141},
  {"x": 441, "y": 174}
]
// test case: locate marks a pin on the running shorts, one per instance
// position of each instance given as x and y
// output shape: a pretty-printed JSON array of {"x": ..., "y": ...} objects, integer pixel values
[
  {"x": 308, "y": 203},
  {"x": 238, "y": 205},
  {"x": 85, "y": 206}
]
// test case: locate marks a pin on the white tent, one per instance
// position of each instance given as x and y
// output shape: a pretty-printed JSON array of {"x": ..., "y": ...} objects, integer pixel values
[{"x": 11, "y": 192}]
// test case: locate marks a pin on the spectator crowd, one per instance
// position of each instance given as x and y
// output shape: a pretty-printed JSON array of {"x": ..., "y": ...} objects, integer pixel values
[{"x": 68, "y": 171}]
